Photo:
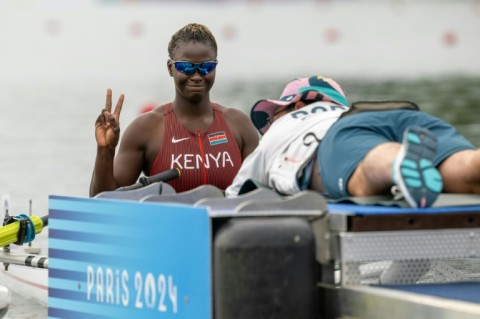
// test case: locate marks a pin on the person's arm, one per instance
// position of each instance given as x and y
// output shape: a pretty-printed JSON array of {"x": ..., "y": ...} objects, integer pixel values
[
  {"x": 107, "y": 135},
  {"x": 102, "y": 177},
  {"x": 110, "y": 171}
]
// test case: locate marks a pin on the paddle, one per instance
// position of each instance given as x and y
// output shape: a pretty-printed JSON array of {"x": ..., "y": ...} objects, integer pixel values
[{"x": 143, "y": 181}]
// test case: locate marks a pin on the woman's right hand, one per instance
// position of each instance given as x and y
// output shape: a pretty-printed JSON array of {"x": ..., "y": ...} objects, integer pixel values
[{"x": 107, "y": 125}]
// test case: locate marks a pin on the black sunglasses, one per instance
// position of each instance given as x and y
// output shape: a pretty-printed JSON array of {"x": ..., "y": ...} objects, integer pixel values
[{"x": 188, "y": 68}]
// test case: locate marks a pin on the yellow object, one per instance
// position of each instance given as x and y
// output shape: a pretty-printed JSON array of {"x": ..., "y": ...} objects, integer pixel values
[{"x": 8, "y": 233}]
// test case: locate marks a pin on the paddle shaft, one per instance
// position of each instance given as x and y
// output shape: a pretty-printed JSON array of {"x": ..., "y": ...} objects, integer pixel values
[
  {"x": 30, "y": 260},
  {"x": 143, "y": 181}
]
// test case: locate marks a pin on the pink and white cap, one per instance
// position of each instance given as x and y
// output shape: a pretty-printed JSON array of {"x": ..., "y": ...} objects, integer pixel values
[{"x": 314, "y": 88}]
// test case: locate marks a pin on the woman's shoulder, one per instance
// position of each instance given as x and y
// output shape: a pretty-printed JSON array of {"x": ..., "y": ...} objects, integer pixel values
[
  {"x": 242, "y": 127},
  {"x": 233, "y": 113}
]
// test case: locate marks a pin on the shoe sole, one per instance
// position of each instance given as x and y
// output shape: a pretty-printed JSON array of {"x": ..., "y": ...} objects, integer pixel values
[{"x": 419, "y": 181}]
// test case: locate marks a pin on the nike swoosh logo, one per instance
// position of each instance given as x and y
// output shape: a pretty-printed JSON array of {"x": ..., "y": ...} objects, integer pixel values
[{"x": 174, "y": 140}]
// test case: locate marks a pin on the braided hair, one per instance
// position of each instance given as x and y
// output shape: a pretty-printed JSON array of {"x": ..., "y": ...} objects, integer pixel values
[{"x": 192, "y": 32}]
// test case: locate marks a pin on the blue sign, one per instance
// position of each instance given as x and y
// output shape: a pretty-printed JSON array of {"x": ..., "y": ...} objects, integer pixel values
[{"x": 122, "y": 259}]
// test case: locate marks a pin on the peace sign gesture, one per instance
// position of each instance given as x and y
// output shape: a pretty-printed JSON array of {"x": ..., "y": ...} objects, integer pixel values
[{"x": 107, "y": 125}]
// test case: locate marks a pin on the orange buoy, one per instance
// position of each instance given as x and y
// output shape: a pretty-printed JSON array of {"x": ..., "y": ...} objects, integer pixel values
[{"x": 146, "y": 108}]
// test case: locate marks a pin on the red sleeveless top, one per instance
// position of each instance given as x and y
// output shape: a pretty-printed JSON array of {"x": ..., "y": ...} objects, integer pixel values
[{"x": 211, "y": 157}]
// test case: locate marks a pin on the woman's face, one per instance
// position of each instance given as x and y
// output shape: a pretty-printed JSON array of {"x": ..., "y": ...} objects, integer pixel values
[{"x": 195, "y": 87}]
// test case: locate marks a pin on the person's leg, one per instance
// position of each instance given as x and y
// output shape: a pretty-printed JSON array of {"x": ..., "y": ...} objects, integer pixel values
[
  {"x": 418, "y": 180},
  {"x": 347, "y": 144},
  {"x": 373, "y": 176},
  {"x": 457, "y": 159},
  {"x": 357, "y": 154},
  {"x": 461, "y": 172},
  {"x": 408, "y": 165}
]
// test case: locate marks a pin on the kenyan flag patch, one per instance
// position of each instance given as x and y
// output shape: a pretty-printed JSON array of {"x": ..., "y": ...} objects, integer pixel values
[{"x": 217, "y": 138}]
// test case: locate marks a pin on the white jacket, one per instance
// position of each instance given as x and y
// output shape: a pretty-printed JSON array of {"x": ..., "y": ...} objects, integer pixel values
[{"x": 287, "y": 147}]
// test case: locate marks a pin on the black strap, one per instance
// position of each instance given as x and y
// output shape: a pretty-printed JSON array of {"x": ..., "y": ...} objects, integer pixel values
[
  {"x": 365, "y": 106},
  {"x": 22, "y": 229}
]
